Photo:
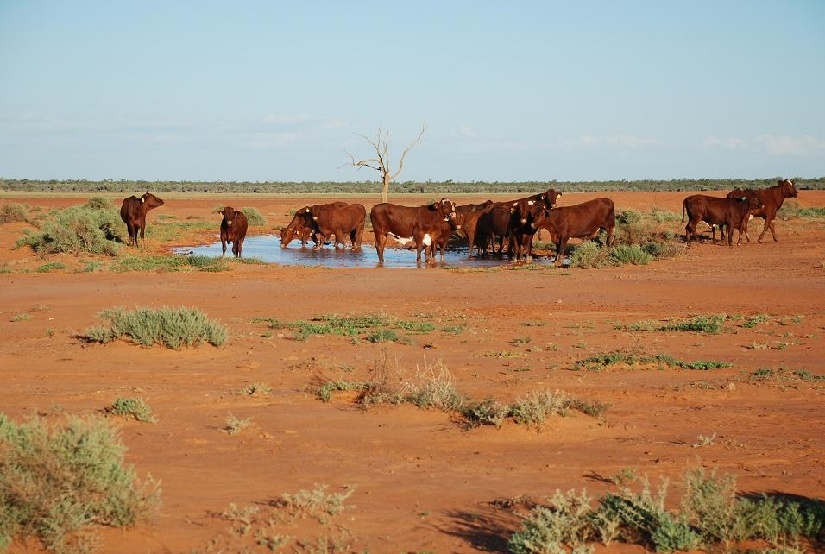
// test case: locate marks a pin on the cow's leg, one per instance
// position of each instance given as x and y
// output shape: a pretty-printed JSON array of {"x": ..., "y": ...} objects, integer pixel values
[
  {"x": 561, "y": 245},
  {"x": 223, "y": 246},
  {"x": 380, "y": 243}
]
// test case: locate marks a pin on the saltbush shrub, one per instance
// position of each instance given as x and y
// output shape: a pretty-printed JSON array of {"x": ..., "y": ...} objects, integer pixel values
[
  {"x": 170, "y": 327},
  {"x": 93, "y": 228},
  {"x": 56, "y": 481}
]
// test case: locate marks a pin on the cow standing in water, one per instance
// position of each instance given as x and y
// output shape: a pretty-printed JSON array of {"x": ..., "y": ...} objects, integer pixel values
[
  {"x": 233, "y": 229},
  {"x": 421, "y": 225},
  {"x": 133, "y": 213}
]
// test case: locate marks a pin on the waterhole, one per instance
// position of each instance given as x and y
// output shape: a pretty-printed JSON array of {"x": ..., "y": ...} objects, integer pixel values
[{"x": 267, "y": 248}]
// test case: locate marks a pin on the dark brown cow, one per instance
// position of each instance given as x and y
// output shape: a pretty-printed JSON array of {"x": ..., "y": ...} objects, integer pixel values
[
  {"x": 732, "y": 213},
  {"x": 421, "y": 225},
  {"x": 498, "y": 223},
  {"x": 133, "y": 213},
  {"x": 770, "y": 200},
  {"x": 467, "y": 216},
  {"x": 339, "y": 219},
  {"x": 233, "y": 229},
  {"x": 583, "y": 220},
  {"x": 301, "y": 227},
  {"x": 523, "y": 215}
]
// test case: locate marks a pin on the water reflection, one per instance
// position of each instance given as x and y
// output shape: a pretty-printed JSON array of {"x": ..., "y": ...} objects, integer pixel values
[{"x": 268, "y": 248}]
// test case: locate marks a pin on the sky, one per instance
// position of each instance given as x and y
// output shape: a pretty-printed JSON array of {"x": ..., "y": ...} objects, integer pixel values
[{"x": 282, "y": 90}]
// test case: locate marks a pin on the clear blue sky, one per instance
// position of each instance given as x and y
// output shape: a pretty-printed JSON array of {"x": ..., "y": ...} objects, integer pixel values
[{"x": 509, "y": 90}]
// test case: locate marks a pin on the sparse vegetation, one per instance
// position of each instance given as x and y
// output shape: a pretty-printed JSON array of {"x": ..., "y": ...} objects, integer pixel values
[
  {"x": 626, "y": 360},
  {"x": 58, "y": 480},
  {"x": 712, "y": 517},
  {"x": 375, "y": 328},
  {"x": 93, "y": 228},
  {"x": 170, "y": 327},
  {"x": 14, "y": 213},
  {"x": 235, "y": 425},
  {"x": 135, "y": 408},
  {"x": 170, "y": 263}
]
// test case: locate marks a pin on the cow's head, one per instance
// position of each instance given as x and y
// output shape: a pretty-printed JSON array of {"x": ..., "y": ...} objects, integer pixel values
[
  {"x": 526, "y": 209},
  {"x": 551, "y": 198},
  {"x": 788, "y": 188},
  {"x": 150, "y": 201},
  {"x": 446, "y": 208}
]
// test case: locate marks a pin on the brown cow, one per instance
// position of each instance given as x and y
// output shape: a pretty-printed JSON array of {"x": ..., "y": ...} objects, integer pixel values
[
  {"x": 339, "y": 219},
  {"x": 233, "y": 230},
  {"x": 467, "y": 216},
  {"x": 770, "y": 200},
  {"x": 732, "y": 213},
  {"x": 420, "y": 225},
  {"x": 583, "y": 220},
  {"x": 523, "y": 215},
  {"x": 498, "y": 223},
  {"x": 302, "y": 227},
  {"x": 133, "y": 213}
]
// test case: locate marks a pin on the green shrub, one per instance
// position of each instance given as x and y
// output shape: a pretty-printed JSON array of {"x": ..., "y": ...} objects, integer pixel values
[
  {"x": 92, "y": 228},
  {"x": 135, "y": 408},
  {"x": 253, "y": 216},
  {"x": 170, "y": 327},
  {"x": 13, "y": 213},
  {"x": 536, "y": 407},
  {"x": 170, "y": 263},
  {"x": 632, "y": 254},
  {"x": 487, "y": 412},
  {"x": 56, "y": 481},
  {"x": 589, "y": 255}
]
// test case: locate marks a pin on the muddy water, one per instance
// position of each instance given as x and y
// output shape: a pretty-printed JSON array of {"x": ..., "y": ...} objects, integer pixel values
[{"x": 268, "y": 248}]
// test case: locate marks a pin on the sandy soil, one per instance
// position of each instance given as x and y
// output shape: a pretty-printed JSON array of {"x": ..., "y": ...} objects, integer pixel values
[{"x": 421, "y": 481}]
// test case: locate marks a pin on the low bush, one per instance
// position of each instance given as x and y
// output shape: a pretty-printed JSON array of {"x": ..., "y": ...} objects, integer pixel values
[
  {"x": 135, "y": 408},
  {"x": 713, "y": 517},
  {"x": 14, "y": 213},
  {"x": 56, "y": 481},
  {"x": 170, "y": 327},
  {"x": 94, "y": 228}
]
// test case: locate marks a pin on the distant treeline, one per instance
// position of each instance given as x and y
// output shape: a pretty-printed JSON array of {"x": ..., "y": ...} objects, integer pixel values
[{"x": 405, "y": 187}]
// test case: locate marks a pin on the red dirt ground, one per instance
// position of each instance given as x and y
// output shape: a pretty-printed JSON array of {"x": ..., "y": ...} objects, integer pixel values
[{"x": 422, "y": 482}]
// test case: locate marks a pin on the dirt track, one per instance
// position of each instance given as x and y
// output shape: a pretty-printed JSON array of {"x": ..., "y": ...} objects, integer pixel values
[{"x": 423, "y": 483}]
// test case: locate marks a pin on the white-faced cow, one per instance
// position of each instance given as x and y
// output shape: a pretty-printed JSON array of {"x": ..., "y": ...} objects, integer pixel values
[
  {"x": 421, "y": 225},
  {"x": 732, "y": 213},
  {"x": 583, "y": 221},
  {"x": 770, "y": 200},
  {"x": 133, "y": 213},
  {"x": 345, "y": 221},
  {"x": 233, "y": 230}
]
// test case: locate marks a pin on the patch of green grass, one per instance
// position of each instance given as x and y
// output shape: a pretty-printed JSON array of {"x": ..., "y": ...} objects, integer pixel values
[
  {"x": 169, "y": 263},
  {"x": 20, "y": 317},
  {"x": 49, "y": 267},
  {"x": 710, "y": 324},
  {"x": 628, "y": 360},
  {"x": 374, "y": 328},
  {"x": 135, "y": 408},
  {"x": 57, "y": 481},
  {"x": 170, "y": 327}
]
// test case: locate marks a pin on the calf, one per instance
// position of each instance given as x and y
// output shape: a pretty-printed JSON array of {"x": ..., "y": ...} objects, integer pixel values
[
  {"x": 420, "y": 224},
  {"x": 133, "y": 212},
  {"x": 770, "y": 200},
  {"x": 233, "y": 230},
  {"x": 339, "y": 219},
  {"x": 583, "y": 220},
  {"x": 301, "y": 227},
  {"x": 522, "y": 226},
  {"x": 732, "y": 213}
]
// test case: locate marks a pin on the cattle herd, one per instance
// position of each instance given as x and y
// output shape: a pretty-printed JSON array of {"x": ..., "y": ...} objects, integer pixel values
[{"x": 486, "y": 227}]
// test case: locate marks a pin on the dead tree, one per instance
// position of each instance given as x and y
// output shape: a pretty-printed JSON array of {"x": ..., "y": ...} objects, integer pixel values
[{"x": 381, "y": 163}]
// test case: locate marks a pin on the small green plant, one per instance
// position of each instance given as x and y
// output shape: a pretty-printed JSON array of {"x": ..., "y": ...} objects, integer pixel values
[
  {"x": 434, "y": 387},
  {"x": 57, "y": 481},
  {"x": 633, "y": 361},
  {"x": 135, "y": 408},
  {"x": 235, "y": 425},
  {"x": 316, "y": 503},
  {"x": 253, "y": 216},
  {"x": 170, "y": 327},
  {"x": 630, "y": 254},
  {"x": 170, "y": 263},
  {"x": 49, "y": 267},
  {"x": 486, "y": 412}
]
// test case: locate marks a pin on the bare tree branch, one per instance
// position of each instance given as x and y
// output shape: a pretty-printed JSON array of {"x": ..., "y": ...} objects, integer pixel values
[{"x": 407, "y": 149}]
